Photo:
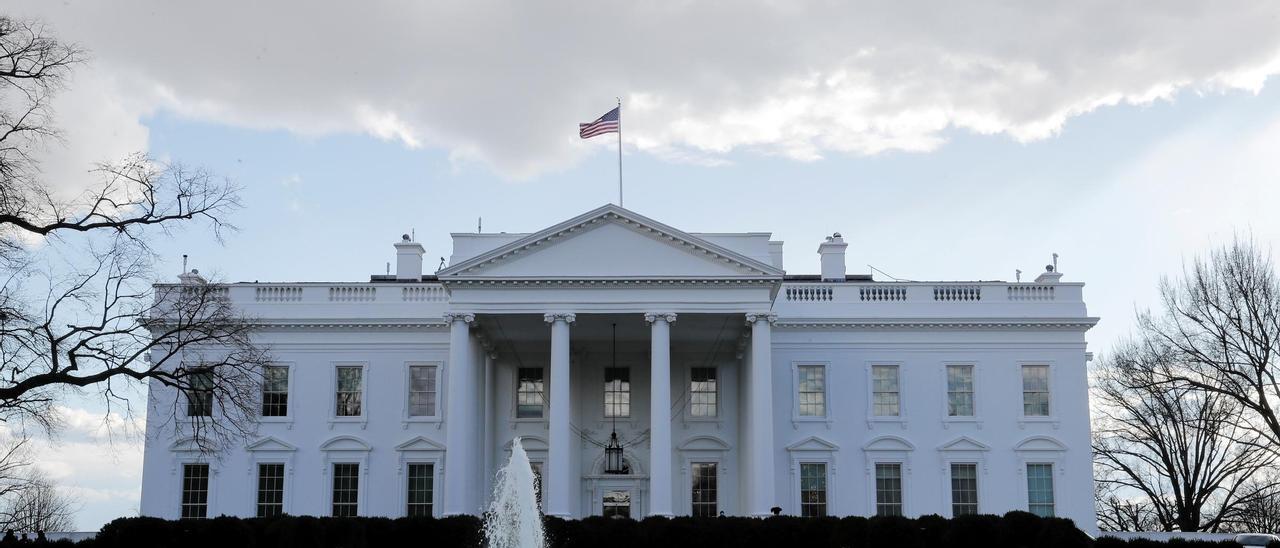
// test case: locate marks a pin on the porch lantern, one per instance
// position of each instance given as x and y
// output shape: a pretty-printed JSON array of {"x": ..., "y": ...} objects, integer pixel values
[{"x": 613, "y": 456}]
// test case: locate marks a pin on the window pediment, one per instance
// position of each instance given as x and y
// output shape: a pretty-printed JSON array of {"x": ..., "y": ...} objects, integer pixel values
[
  {"x": 344, "y": 443},
  {"x": 889, "y": 443},
  {"x": 269, "y": 443},
  {"x": 813, "y": 443},
  {"x": 1040, "y": 443}
]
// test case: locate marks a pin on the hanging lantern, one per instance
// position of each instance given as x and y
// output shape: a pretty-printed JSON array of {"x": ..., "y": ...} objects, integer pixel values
[{"x": 613, "y": 456}]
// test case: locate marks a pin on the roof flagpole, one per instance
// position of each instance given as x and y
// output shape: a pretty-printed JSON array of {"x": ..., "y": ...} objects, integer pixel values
[{"x": 619, "y": 152}]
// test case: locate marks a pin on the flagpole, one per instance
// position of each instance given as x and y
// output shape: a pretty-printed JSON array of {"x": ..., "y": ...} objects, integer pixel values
[{"x": 619, "y": 152}]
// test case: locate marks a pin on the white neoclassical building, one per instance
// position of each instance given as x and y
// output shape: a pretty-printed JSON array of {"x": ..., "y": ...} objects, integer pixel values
[{"x": 732, "y": 386}]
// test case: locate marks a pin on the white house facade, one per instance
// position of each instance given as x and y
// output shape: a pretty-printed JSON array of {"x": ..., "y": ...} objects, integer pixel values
[{"x": 732, "y": 386}]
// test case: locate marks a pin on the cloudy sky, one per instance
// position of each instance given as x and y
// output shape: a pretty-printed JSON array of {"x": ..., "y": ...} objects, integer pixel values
[{"x": 945, "y": 140}]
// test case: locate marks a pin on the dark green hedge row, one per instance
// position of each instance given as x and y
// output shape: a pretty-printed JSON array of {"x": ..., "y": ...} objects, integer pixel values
[{"x": 1013, "y": 530}]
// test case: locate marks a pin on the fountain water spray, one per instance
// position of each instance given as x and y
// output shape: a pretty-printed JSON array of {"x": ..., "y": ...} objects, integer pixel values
[{"x": 514, "y": 520}]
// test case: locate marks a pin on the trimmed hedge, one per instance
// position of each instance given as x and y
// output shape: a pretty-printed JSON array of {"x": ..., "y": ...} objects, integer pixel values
[{"x": 1013, "y": 530}]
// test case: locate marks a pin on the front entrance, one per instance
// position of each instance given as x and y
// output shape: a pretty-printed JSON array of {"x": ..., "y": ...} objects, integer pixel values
[
  {"x": 617, "y": 496},
  {"x": 616, "y": 503}
]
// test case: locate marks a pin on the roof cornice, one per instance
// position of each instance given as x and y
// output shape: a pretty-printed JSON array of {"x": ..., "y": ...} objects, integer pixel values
[{"x": 1070, "y": 324}]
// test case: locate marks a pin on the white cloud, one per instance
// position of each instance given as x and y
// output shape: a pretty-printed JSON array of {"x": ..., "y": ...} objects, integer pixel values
[{"x": 505, "y": 83}]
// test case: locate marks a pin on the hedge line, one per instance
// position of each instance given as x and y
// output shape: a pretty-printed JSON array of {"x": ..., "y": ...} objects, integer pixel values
[{"x": 1013, "y": 530}]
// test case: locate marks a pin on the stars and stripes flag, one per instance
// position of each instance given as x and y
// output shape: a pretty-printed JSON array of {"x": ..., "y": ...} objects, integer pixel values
[{"x": 611, "y": 122}]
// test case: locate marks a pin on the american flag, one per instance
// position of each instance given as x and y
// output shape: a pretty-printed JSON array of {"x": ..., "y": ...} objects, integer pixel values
[{"x": 609, "y": 123}]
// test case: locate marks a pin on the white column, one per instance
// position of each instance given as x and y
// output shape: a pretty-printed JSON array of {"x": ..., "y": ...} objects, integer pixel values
[
  {"x": 560, "y": 477},
  {"x": 760, "y": 418},
  {"x": 660, "y": 503},
  {"x": 460, "y": 420}
]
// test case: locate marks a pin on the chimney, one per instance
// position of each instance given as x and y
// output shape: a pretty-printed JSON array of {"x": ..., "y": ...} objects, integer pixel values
[
  {"x": 409, "y": 259},
  {"x": 1049, "y": 276},
  {"x": 192, "y": 277},
  {"x": 832, "y": 252}
]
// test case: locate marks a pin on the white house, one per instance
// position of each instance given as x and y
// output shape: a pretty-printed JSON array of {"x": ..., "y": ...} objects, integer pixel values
[{"x": 732, "y": 386}]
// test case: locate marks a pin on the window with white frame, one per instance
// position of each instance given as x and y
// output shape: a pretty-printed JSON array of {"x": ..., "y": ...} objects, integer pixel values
[
  {"x": 885, "y": 398},
  {"x": 275, "y": 391},
  {"x": 530, "y": 393},
  {"x": 1040, "y": 489},
  {"x": 813, "y": 489},
  {"x": 964, "y": 489},
  {"x": 959, "y": 390},
  {"x": 421, "y": 480},
  {"x": 349, "y": 391},
  {"x": 422, "y": 391},
  {"x": 1035, "y": 390},
  {"x": 617, "y": 392},
  {"x": 270, "y": 489},
  {"x": 702, "y": 392},
  {"x": 812, "y": 385},
  {"x": 888, "y": 489},
  {"x": 703, "y": 493},
  {"x": 195, "y": 491},
  {"x": 200, "y": 392},
  {"x": 346, "y": 489}
]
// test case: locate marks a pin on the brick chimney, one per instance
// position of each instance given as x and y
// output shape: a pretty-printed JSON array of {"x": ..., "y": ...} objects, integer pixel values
[
  {"x": 832, "y": 252},
  {"x": 409, "y": 259}
]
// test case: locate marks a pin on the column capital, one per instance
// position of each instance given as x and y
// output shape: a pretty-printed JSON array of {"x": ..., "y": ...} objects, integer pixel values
[
  {"x": 552, "y": 317},
  {"x": 753, "y": 317},
  {"x": 651, "y": 317},
  {"x": 465, "y": 317}
]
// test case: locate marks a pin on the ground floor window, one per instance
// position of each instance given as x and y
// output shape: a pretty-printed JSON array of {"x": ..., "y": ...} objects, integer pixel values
[
  {"x": 813, "y": 489},
  {"x": 964, "y": 489},
  {"x": 346, "y": 489},
  {"x": 1040, "y": 489},
  {"x": 270, "y": 489},
  {"x": 704, "y": 489},
  {"x": 616, "y": 504},
  {"x": 195, "y": 491},
  {"x": 888, "y": 489},
  {"x": 421, "y": 488}
]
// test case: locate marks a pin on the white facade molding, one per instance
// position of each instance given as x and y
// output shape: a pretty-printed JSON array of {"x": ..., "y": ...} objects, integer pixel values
[
  {"x": 464, "y": 317},
  {"x": 566, "y": 317},
  {"x": 650, "y": 317}
]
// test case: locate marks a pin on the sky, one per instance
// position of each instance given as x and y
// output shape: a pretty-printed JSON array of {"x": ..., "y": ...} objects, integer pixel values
[{"x": 945, "y": 141}]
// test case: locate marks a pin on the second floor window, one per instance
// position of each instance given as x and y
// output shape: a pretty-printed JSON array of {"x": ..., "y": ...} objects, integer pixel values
[
  {"x": 884, "y": 390},
  {"x": 813, "y": 390},
  {"x": 275, "y": 391},
  {"x": 422, "y": 391},
  {"x": 530, "y": 393},
  {"x": 702, "y": 392},
  {"x": 959, "y": 390},
  {"x": 617, "y": 392},
  {"x": 349, "y": 391},
  {"x": 200, "y": 393},
  {"x": 1035, "y": 390}
]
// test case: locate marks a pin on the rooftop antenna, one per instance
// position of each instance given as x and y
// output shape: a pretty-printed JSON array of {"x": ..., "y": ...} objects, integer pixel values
[
  {"x": 1055, "y": 262},
  {"x": 441, "y": 267},
  {"x": 413, "y": 234},
  {"x": 184, "y": 262},
  {"x": 479, "y": 225},
  {"x": 388, "y": 268},
  {"x": 886, "y": 274},
  {"x": 1017, "y": 274}
]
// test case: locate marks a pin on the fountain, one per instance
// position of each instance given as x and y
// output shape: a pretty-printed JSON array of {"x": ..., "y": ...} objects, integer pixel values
[{"x": 513, "y": 520}]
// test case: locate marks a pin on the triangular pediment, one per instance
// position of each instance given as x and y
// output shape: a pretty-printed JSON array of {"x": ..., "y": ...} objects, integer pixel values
[
  {"x": 269, "y": 444},
  {"x": 611, "y": 243},
  {"x": 419, "y": 443},
  {"x": 964, "y": 443},
  {"x": 813, "y": 443}
]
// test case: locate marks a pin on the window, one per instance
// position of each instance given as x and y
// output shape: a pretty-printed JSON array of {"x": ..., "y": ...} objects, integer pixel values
[
  {"x": 1040, "y": 489},
  {"x": 616, "y": 504},
  {"x": 275, "y": 391},
  {"x": 421, "y": 487},
  {"x": 617, "y": 392},
  {"x": 813, "y": 391},
  {"x": 1035, "y": 390},
  {"x": 884, "y": 390},
  {"x": 964, "y": 489},
  {"x": 813, "y": 489},
  {"x": 422, "y": 391},
  {"x": 888, "y": 489},
  {"x": 195, "y": 491},
  {"x": 530, "y": 391},
  {"x": 346, "y": 489},
  {"x": 704, "y": 490},
  {"x": 959, "y": 390},
  {"x": 702, "y": 392},
  {"x": 349, "y": 391},
  {"x": 200, "y": 392},
  {"x": 270, "y": 489}
]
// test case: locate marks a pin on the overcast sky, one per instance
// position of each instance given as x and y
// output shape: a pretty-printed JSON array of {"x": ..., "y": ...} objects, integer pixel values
[{"x": 956, "y": 140}]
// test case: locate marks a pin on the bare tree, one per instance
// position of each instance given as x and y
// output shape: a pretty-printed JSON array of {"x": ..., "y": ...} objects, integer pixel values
[
  {"x": 1178, "y": 449},
  {"x": 1260, "y": 511},
  {"x": 1122, "y": 514},
  {"x": 86, "y": 315},
  {"x": 38, "y": 507}
]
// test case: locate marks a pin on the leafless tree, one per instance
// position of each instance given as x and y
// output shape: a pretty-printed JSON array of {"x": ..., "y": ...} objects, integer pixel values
[
  {"x": 1122, "y": 514},
  {"x": 1177, "y": 448},
  {"x": 78, "y": 312},
  {"x": 40, "y": 506},
  {"x": 1260, "y": 511}
]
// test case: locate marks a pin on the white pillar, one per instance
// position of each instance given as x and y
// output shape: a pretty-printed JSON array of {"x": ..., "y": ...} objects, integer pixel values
[
  {"x": 760, "y": 417},
  {"x": 560, "y": 477},
  {"x": 459, "y": 460},
  {"x": 660, "y": 503}
]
